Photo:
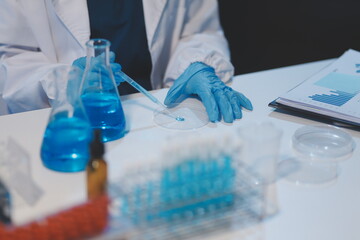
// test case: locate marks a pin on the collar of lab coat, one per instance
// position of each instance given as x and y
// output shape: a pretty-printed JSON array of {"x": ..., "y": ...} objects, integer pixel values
[
  {"x": 153, "y": 11},
  {"x": 72, "y": 17},
  {"x": 38, "y": 21}
]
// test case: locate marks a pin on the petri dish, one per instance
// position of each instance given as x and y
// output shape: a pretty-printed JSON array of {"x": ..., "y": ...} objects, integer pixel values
[
  {"x": 191, "y": 111},
  {"x": 318, "y": 150},
  {"x": 322, "y": 143}
]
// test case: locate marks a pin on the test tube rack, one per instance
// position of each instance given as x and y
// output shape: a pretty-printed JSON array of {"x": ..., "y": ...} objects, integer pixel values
[{"x": 191, "y": 198}]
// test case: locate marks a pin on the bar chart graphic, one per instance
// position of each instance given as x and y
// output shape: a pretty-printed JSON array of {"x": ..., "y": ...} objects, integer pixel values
[{"x": 341, "y": 88}]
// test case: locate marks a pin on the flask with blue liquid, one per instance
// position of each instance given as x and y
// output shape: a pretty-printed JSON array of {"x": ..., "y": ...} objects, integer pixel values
[
  {"x": 99, "y": 92},
  {"x": 65, "y": 145}
]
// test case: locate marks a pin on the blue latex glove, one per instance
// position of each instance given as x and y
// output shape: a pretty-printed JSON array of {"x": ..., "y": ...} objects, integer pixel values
[
  {"x": 218, "y": 99},
  {"x": 115, "y": 67}
]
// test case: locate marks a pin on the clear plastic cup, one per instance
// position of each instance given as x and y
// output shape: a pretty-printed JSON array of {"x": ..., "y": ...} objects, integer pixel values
[
  {"x": 261, "y": 143},
  {"x": 318, "y": 150}
]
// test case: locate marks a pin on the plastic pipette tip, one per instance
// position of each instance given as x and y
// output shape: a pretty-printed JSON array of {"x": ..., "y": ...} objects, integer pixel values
[{"x": 148, "y": 94}]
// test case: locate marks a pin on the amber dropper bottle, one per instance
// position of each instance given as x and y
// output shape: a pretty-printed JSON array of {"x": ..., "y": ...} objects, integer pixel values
[{"x": 96, "y": 169}]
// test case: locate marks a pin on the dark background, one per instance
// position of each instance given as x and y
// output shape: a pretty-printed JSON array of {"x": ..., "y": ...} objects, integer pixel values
[{"x": 265, "y": 34}]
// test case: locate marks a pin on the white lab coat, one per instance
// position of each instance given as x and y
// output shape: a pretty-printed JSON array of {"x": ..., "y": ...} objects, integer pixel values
[{"x": 178, "y": 32}]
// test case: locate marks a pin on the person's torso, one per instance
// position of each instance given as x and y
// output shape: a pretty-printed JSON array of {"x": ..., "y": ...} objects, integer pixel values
[{"x": 122, "y": 23}]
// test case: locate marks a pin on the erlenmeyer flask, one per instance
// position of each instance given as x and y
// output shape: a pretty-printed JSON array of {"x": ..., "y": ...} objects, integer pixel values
[
  {"x": 65, "y": 145},
  {"x": 99, "y": 92}
]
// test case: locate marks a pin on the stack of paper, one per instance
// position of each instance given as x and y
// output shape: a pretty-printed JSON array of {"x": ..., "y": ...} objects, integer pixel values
[{"x": 333, "y": 93}]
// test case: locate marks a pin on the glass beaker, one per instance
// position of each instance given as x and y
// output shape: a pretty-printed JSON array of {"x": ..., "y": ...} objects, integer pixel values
[
  {"x": 65, "y": 145},
  {"x": 261, "y": 145},
  {"x": 99, "y": 92}
]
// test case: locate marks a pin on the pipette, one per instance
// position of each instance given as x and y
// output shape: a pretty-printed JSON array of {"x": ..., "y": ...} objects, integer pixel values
[{"x": 149, "y": 95}]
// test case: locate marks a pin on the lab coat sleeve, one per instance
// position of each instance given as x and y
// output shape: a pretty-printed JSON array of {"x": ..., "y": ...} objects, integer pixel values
[
  {"x": 202, "y": 39},
  {"x": 27, "y": 85}
]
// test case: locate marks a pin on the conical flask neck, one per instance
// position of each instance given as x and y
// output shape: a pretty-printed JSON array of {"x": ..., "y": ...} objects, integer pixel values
[
  {"x": 98, "y": 75},
  {"x": 100, "y": 49},
  {"x": 66, "y": 103}
]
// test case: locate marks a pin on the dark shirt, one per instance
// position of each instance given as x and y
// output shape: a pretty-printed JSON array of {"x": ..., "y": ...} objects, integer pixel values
[{"x": 122, "y": 23}]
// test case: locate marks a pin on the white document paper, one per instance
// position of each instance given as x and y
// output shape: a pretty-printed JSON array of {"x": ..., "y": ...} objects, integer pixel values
[{"x": 334, "y": 91}]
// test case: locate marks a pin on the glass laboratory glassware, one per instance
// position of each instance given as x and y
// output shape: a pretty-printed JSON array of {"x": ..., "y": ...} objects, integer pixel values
[
  {"x": 260, "y": 151},
  {"x": 99, "y": 92},
  {"x": 65, "y": 145},
  {"x": 318, "y": 151},
  {"x": 191, "y": 111}
]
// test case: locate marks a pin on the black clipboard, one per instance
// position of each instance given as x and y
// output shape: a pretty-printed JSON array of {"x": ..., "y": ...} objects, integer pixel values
[{"x": 282, "y": 108}]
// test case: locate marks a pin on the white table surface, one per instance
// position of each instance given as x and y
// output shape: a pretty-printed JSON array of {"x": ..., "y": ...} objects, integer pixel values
[{"x": 330, "y": 212}]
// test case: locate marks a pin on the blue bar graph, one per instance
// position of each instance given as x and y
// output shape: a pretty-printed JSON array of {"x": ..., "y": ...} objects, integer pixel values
[
  {"x": 357, "y": 65},
  {"x": 342, "y": 88},
  {"x": 339, "y": 98}
]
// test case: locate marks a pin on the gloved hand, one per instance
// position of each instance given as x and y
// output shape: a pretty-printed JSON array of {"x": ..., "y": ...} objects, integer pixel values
[
  {"x": 115, "y": 67},
  {"x": 218, "y": 99}
]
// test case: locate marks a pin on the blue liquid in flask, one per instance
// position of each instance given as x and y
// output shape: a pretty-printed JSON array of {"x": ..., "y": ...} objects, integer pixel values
[
  {"x": 65, "y": 146},
  {"x": 105, "y": 112}
]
